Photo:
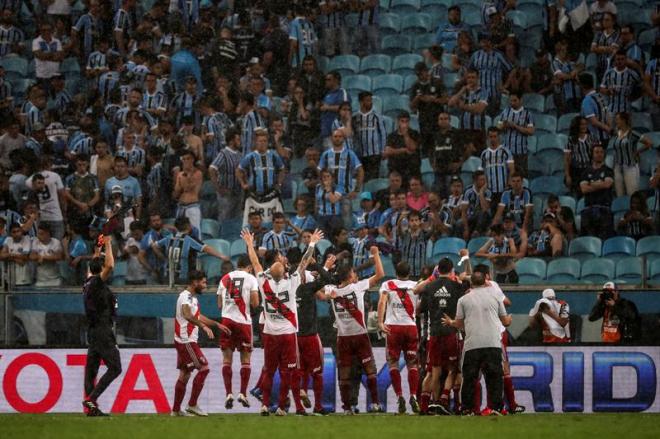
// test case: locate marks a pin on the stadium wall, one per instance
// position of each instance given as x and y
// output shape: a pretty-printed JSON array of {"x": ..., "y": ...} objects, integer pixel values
[{"x": 551, "y": 379}]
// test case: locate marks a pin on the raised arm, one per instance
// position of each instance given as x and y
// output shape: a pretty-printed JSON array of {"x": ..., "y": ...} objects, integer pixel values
[
  {"x": 109, "y": 258},
  {"x": 307, "y": 257},
  {"x": 380, "y": 272},
  {"x": 248, "y": 237}
]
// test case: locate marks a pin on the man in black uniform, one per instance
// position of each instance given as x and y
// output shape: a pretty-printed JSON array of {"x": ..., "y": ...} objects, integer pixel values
[
  {"x": 309, "y": 343},
  {"x": 439, "y": 296},
  {"x": 100, "y": 306}
]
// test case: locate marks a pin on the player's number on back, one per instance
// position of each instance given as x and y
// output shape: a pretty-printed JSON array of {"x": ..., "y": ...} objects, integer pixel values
[
  {"x": 349, "y": 298},
  {"x": 283, "y": 298},
  {"x": 235, "y": 289}
]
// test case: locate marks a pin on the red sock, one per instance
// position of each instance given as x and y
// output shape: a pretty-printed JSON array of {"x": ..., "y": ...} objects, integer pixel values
[
  {"x": 179, "y": 393},
  {"x": 260, "y": 381},
  {"x": 246, "y": 370},
  {"x": 198, "y": 385},
  {"x": 413, "y": 380},
  {"x": 424, "y": 403},
  {"x": 226, "y": 377},
  {"x": 295, "y": 389},
  {"x": 395, "y": 377},
  {"x": 372, "y": 384},
  {"x": 477, "y": 396},
  {"x": 318, "y": 390},
  {"x": 509, "y": 392},
  {"x": 266, "y": 385},
  {"x": 345, "y": 392},
  {"x": 444, "y": 397},
  {"x": 285, "y": 385}
]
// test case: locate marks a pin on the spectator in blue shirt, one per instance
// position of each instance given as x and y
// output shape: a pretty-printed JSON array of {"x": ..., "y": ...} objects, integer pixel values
[
  {"x": 262, "y": 170},
  {"x": 130, "y": 186},
  {"x": 334, "y": 97},
  {"x": 150, "y": 258},
  {"x": 367, "y": 214},
  {"x": 181, "y": 250},
  {"x": 447, "y": 34}
]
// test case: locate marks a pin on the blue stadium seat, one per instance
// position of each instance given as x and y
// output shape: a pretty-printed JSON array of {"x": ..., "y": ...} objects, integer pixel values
[
  {"x": 564, "y": 122},
  {"x": 476, "y": 243},
  {"x": 212, "y": 266},
  {"x": 449, "y": 81},
  {"x": 405, "y": 64},
  {"x": 345, "y": 64},
  {"x": 646, "y": 39},
  {"x": 531, "y": 10},
  {"x": 437, "y": 9},
  {"x": 238, "y": 247},
  {"x": 649, "y": 246},
  {"x": 16, "y": 66},
  {"x": 389, "y": 124},
  {"x": 568, "y": 201},
  {"x": 374, "y": 65},
  {"x": 649, "y": 158},
  {"x": 70, "y": 66},
  {"x": 220, "y": 245},
  {"x": 323, "y": 62},
  {"x": 387, "y": 85},
  {"x": 563, "y": 271},
  {"x": 619, "y": 247},
  {"x": 416, "y": 24},
  {"x": 654, "y": 272},
  {"x": 471, "y": 164},
  {"x": 394, "y": 105},
  {"x": 621, "y": 204},
  {"x": 534, "y": 102},
  {"x": 389, "y": 24},
  {"x": 518, "y": 20},
  {"x": 545, "y": 123},
  {"x": 210, "y": 228},
  {"x": 423, "y": 41},
  {"x": 119, "y": 274},
  {"x": 408, "y": 82},
  {"x": 356, "y": 84},
  {"x": 230, "y": 229},
  {"x": 629, "y": 271},
  {"x": 376, "y": 185},
  {"x": 323, "y": 245},
  {"x": 531, "y": 271},
  {"x": 448, "y": 247},
  {"x": 470, "y": 13},
  {"x": 404, "y": 6},
  {"x": 585, "y": 247},
  {"x": 551, "y": 141},
  {"x": 396, "y": 44},
  {"x": 548, "y": 185},
  {"x": 597, "y": 271},
  {"x": 388, "y": 267},
  {"x": 642, "y": 123}
]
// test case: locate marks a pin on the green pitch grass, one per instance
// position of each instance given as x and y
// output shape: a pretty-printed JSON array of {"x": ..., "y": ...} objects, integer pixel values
[{"x": 562, "y": 426}]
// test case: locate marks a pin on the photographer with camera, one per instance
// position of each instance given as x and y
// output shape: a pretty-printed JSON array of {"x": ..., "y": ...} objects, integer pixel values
[{"x": 621, "y": 321}]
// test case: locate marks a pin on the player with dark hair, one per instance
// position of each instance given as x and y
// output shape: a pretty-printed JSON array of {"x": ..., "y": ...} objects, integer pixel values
[
  {"x": 310, "y": 348},
  {"x": 100, "y": 305},
  {"x": 396, "y": 318},
  {"x": 188, "y": 320},
  {"x": 278, "y": 294},
  {"x": 439, "y": 295},
  {"x": 352, "y": 338},
  {"x": 236, "y": 291}
]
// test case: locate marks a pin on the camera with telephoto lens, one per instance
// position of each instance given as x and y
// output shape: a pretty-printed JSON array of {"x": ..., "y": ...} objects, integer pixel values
[{"x": 607, "y": 295}]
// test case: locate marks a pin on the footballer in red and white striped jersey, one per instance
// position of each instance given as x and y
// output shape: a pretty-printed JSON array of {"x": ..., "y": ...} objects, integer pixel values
[
  {"x": 279, "y": 300},
  {"x": 353, "y": 344},
  {"x": 184, "y": 331},
  {"x": 396, "y": 318},
  {"x": 237, "y": 292}
]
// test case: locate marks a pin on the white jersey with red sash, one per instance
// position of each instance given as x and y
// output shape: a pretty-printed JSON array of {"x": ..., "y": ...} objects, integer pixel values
[
  {"x": 184, "y": 331},
  {"x": 348, "y": 307},
  {"x": 234, "y": 290},
  {"x": 402, "y": 302},
  {"x": 279, "y": 301}
]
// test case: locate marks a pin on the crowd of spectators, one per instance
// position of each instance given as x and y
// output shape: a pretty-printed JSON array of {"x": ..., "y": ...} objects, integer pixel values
[{"x": 136, "y": 109}]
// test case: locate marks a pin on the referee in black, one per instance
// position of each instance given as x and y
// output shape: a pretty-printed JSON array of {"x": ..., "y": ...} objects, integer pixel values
[
  {"x": 480, "y": 312},
  {"x": 100, "y": 306}
]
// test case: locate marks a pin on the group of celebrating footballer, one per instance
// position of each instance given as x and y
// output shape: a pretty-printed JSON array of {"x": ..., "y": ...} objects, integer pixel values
[{"x": 291, "y": 343}]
